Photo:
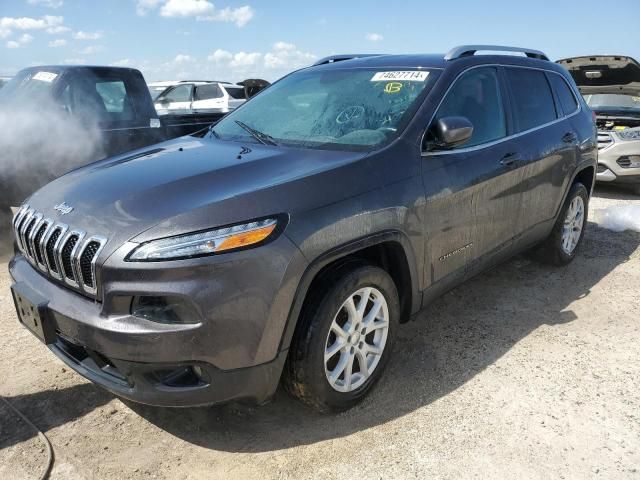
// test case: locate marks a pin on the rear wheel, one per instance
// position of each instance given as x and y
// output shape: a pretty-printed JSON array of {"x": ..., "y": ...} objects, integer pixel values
[
  {"x": 344, "y": 339},
  {"x": 562, "y": 244}
]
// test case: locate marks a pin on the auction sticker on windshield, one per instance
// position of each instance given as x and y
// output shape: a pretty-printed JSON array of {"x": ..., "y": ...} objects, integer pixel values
[
  {"x": 407, "y": 76},
  {"x": 45, "y": 76}
]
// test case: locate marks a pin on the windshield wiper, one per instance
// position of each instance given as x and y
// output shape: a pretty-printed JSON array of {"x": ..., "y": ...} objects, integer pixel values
[{"x": 257, "y": 134}]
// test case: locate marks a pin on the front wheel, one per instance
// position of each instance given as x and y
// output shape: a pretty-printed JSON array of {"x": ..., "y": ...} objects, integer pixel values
[
  {"x": 345, "y": 338},
  {"x": 562, "y": 244}
]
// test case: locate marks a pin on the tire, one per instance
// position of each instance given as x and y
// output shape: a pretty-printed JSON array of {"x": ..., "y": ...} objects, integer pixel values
[
  {"x": 306, "y": 375},
  {"x": 554, "y": 250}
]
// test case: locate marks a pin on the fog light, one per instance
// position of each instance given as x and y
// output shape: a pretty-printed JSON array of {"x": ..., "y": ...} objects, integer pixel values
[
  {"x": 635, "y": 161},
  {"x": 164, "y": 309}
]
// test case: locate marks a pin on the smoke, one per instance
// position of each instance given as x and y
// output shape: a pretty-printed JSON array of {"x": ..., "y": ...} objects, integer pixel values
[
  {"x": 618, "y": 218},
  {"x": 39, "y": 141}
]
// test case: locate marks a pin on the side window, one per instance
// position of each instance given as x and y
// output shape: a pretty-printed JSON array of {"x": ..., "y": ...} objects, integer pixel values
[
  {"x": 567, "y": 99},
  {"x": 113, "y": 95},
  {"x": 533, "y": 103},
  {"x": 235, "y": 92},
  {"x": 207, "y": 92},
  {"x": 181, "y": 93},
  {"x": 476, "y": 96}
]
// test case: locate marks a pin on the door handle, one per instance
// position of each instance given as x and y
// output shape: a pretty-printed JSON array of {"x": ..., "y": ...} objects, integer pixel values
[
  {"x": 509, "y": 159},
  {"x": 569, "y": 137}
]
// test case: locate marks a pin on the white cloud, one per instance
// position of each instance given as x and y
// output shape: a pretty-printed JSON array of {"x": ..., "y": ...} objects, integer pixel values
[
  {"x": 24, "y": 39},
  {"x": 47, "y": 3},
  {"x": 282, "y": 56},
  {"x": 240, "y": 16},
  {"x": 243, "y": 59},
  {"x": 91, "y": 50},
  {"x": 145, "y": 6},
  {"x": 58, "y": 29},
  {"x": 7, "y": 24},
  {"x": 220, "y": 56},
  {"x": 186, "y": 8},
  {"x": 58, "y": 42},
  {"x": 287, "y": 55},
  {"x": 202, "y": 10},
  {"x": 74, "y": 61},
  {"x": 182, "y": 58},
  {"x": 125, "y": 62},
  {"x": 374, "y": 37},
  {"x": 80, "y": 35}
]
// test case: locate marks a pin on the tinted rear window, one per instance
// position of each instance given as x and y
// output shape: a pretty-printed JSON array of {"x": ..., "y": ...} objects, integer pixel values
[
  {"x": 237, "y": 93},
  {"x": 567, "y": 99},
  {"x": 532, "y": 98}
]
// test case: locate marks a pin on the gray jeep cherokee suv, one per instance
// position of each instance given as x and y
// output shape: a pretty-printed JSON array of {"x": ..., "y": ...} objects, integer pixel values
[{"x": 291, "y": 240}]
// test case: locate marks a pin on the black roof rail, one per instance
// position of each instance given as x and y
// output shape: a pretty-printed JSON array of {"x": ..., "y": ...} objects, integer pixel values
[
  {"x": 339, "y": 58},
  {"x": 470, "y": 50}
]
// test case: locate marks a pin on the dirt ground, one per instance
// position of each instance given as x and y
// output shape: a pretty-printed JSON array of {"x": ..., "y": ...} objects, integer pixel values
[{"x": 524, "y": 372}]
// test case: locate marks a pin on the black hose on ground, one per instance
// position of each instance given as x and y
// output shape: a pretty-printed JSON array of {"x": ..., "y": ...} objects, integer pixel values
[{"x": 42, "y": 436}]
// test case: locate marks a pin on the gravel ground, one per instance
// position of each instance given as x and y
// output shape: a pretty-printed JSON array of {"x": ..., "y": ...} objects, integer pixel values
[{"x": 523, "y": 372}]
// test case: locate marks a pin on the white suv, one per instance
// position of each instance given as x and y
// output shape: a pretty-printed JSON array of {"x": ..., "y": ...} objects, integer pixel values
[{"x": 199, "y": 97}]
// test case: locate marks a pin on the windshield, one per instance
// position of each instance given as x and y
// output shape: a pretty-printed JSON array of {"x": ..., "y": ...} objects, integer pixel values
[
  {"x": 614, "y": 102},
  {"x": 156, "y": 91},
  {"x": 342, "y": 109},
  {"x": 30, "y": 83}
]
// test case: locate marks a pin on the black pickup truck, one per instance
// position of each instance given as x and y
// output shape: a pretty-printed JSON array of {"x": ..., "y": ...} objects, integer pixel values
[{"x": 54, "y": 119}]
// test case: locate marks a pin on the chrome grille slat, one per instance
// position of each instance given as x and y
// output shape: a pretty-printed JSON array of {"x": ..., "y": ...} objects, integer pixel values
[{"x": 67, "y": 255}]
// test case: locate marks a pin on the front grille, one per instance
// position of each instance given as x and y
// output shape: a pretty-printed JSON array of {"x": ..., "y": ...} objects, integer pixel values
[
  {"x": 50, "y": 252},
  {"x": 86, "y": 262},
  {"x": 67, "y": 250},
  {"x": 624, "y": 162},
  {"x": 604, "y": 140},
  {"x": 64, "y": 253}
]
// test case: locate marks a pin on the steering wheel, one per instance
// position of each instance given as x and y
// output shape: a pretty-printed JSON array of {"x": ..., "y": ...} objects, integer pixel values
[{"x": 350, "y": 114}]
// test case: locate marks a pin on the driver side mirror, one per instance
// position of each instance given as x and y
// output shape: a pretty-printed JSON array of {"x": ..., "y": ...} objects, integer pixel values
[
  {"x": 164, "y": 101},
  {"x": 450, "y": 132}
]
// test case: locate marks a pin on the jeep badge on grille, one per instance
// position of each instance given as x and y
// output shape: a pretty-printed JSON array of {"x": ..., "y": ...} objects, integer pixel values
[{"x": 63, "y": 208}]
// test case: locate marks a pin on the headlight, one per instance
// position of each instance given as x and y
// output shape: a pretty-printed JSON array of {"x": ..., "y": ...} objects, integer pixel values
[
  {"x": 205, "y": 243},
  {"x": 630, "y": 134}
]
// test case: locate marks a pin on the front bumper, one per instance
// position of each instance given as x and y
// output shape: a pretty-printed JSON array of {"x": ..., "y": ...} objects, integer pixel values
[
  {"x": 611, "y": 166},
  {"x": 233, "y": 353}
]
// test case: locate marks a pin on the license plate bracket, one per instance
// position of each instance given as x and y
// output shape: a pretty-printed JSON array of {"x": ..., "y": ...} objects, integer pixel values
[{"x": 33, "y": 312}]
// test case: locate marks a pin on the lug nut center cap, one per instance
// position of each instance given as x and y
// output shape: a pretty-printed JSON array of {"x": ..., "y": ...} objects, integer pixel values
[{"x": 354, "y": 338}]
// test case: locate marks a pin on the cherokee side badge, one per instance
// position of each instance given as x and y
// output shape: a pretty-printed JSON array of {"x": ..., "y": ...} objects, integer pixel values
[{"x": 63, "y": 208}]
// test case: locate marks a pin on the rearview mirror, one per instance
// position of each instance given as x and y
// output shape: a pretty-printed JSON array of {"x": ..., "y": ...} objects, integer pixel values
[{"x": 449, "y": 132}]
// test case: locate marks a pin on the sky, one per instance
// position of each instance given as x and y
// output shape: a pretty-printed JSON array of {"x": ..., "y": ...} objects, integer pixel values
[{"x": 233, "y": 40}]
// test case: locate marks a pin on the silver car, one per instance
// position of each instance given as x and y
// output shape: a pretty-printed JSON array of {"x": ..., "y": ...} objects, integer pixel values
[{"x": 611, "y": 87}]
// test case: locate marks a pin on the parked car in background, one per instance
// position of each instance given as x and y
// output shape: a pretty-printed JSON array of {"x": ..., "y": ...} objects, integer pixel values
[
  {"x": 4, "y": 81},
  {"x": 56, "y": 118},
  {"x": 292, "y": 239},
  {"x": 188, "y": 97},
  {"x": 611, "y": 87}
]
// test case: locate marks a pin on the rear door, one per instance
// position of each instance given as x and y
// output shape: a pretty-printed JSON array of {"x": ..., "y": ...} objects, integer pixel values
[
  {"x": 176, "y": 100},
  {"x": 207, "y": 98},
  {"x": 546, "y": 141},
  {"x": 472, "y": 191}
]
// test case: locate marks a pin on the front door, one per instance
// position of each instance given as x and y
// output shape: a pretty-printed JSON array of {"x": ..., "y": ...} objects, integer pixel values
[
  {"x": 177, "y": 100},
  {"x": 472, "y": 191}
]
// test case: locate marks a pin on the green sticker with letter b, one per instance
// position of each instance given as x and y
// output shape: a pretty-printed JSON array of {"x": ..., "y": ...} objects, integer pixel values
[{"x": 392, "y": 87}]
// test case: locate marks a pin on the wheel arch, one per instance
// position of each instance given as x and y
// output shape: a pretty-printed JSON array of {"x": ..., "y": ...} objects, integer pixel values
[{"x": 390, "y": 250}]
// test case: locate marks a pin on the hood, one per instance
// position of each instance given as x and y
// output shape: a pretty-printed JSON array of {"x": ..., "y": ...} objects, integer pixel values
[
  {"x": 604, "y": 74},
  {"x": 191, "y": 184}
]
